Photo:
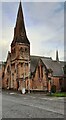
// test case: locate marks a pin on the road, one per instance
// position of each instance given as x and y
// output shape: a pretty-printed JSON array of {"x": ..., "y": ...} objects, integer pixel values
[{"x": 16, "y": 105}]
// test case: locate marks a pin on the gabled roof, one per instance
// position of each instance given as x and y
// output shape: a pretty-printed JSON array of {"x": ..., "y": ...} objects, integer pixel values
[
  {"x": 34, "y": 62},
  {"x": 54, "y": 65},
  {"x": 49, "y": 63}
]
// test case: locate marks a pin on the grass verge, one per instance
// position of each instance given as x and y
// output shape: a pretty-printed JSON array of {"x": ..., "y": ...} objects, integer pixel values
[{"x": 58, "y": 94}]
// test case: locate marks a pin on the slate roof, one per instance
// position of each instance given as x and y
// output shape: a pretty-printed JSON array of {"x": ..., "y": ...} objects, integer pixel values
[
  {"x": 33, "y": 62},
  {"x": 49, "y": 63},
  {"x": 63, "y": 63},
  {"x": 54, "y": 65}
]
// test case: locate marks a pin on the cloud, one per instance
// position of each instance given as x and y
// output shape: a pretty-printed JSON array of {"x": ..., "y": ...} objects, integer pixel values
[{"x": 46, "y": 31}]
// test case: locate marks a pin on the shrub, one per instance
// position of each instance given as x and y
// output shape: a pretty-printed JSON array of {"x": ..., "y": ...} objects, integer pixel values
[{"x": 53, "y": 89}]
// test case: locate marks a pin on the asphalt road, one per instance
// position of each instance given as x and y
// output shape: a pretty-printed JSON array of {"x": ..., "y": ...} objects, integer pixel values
[{"x": 16, "y": 105}]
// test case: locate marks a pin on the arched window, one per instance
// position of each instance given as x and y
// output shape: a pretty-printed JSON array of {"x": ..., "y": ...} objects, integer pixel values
[
  {"x": 8, "y": 69},
  {"x": 26, "y": 50},
  {"x": 39, "y": 71},
  {"x": 21, "y": 49}
]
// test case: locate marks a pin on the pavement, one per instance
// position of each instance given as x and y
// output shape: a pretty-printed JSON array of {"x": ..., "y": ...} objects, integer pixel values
[{"x": 15, "y": 105}]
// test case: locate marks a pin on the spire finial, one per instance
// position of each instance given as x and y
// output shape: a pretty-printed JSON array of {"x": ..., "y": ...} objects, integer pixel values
[{"x": 57, "y": 57}]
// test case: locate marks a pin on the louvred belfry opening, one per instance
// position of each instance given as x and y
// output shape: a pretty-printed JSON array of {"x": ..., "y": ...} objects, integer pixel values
[{"x": 19, "y": 30}]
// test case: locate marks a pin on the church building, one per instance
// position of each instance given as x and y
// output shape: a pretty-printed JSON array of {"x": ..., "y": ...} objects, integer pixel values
[{"x": 22, "y": 70}]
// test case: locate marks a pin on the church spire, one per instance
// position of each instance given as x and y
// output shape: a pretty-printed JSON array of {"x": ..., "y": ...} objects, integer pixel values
[
  {"x": 57, "y": 57},
  {"x": 19, "y": 30},
  {"x": 20, "y": 27}
]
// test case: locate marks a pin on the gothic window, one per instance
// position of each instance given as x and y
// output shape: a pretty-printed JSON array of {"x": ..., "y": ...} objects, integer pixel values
[
  {"x": 13, "y": 79},
  {"x": 21, "y": 64},
  {"x": 39, "y": 71},
  {"x": 26, "y": 52},
  {"x": 3, "y": 75},
  {"x": 8, "y": 69},
  {"x": 25, "y": 49},
  {"x": 21, "y": 51}
]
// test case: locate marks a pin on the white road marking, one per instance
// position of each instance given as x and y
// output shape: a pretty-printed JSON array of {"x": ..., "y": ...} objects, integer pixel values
[
  {"x": 25, "y": 98},
  {"x": 12, "y": 93}
]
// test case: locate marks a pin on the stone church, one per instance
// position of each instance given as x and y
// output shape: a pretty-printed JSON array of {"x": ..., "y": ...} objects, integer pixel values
[{"x": 22, "y": 70}]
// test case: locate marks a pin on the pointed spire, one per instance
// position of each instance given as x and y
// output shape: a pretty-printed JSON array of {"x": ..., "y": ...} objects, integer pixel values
[
  {"x": 20, "y": 27},
  {"x": 57, "y": 57},
  {"x": 19, "y": 30}
]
